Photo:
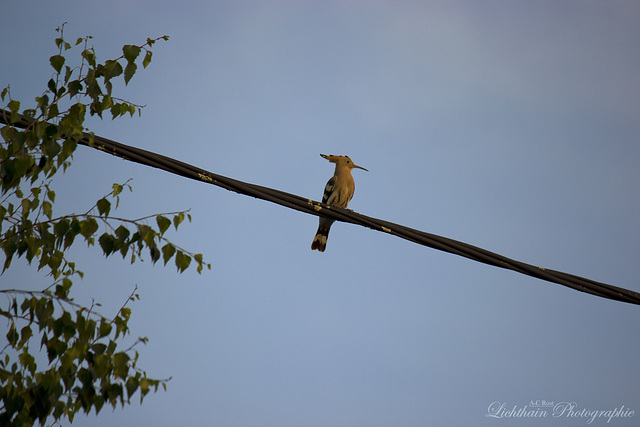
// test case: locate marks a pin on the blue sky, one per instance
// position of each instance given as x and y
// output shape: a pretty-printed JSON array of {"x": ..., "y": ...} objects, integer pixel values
[{"x": 512, "y": 126}]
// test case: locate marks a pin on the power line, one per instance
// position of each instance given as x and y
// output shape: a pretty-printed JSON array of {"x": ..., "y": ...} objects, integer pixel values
[{"x": 312, "y": 207}]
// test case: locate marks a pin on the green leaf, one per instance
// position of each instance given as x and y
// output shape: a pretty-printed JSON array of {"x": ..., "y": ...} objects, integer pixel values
[
  {"x": 90, "y": 56},
  {"x": 121, "y": 364},
  {"x": 201, "y": 263},
  {"x": 14, "y": 106},
  {"x": 93, "y": 88},
  {"x": 104, "y": 206},
  {"x": 132, "y": 386},
  {"x": 28, "y": 361},
  {"x": 163, "y": 223},
  {"x": 47, "y": 209},
  {"x": 52, "y": 86},
  {"x": 107, "y": 243},
  {"x": 67, "y": 74},
  {"x": 122, "y": 233},
  {"x": 73, "y": 229},
  {"x": 51, "y": 132},
  {"x": 109, "y": 86},
  {"x": 12, "y": 335},
  {"x": 43, "y": 102},
  {"x": 129, "y": 71},
  {"x": 182, "y": 261},
  {"x": 177, "y": 219},
  {"x": 144, "y": 387},
  {"x": 116, "y": 110},
  {"x": 25, "y": 334},
  {"x": 131, "y": 52},
  {"x": 106, "y": 103},
  {"x": 53, "y": 112},
  {"x": 105, "y": 329},
  {"x": 147, "y": 59},
  {"x": 60, "y": 228},
  {"x": 27, "y": 206},
  {"x": 29, "y": 113},
  {"x": 88, "y": 227},
  {"x": 117, "y": 189},
  {"x": 44, "y": 311},
  {"x": 74, "y": 88},
  {"x": 63, "y": 289},
  {"x": 167, "y": 252},
  {"x": 111, "y": 69},
  {"x": 57, "y": 61},
  {"x": 154, "y": 252}
]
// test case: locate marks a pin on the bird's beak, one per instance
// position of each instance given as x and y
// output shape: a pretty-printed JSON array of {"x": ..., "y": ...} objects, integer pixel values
[{"x": 360, "y": 167}]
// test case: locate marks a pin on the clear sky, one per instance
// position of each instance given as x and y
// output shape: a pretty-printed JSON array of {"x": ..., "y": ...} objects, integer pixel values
[{"x": 510, "y": 125}]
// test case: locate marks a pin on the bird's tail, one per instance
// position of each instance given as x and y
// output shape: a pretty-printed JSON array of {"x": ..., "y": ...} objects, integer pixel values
[{"x": 320, "y": 241}]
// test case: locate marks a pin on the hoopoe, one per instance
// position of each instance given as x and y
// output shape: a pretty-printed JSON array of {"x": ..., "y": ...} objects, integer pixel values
[{"x": 338, "y": 192}]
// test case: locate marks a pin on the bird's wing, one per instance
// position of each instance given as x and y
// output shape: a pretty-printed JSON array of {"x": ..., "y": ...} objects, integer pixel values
[{"x": 328, "y": 190}]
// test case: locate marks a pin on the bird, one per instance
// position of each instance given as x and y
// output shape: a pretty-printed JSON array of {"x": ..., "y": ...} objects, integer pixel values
[{"x": 338, "y": 192}]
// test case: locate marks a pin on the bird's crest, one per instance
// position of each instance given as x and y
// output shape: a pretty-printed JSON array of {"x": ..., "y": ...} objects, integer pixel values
[{"x": 342, "y": 160}]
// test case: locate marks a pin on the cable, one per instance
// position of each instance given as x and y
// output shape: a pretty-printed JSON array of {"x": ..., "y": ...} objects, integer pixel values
[{"x": 312, "y": 207}]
